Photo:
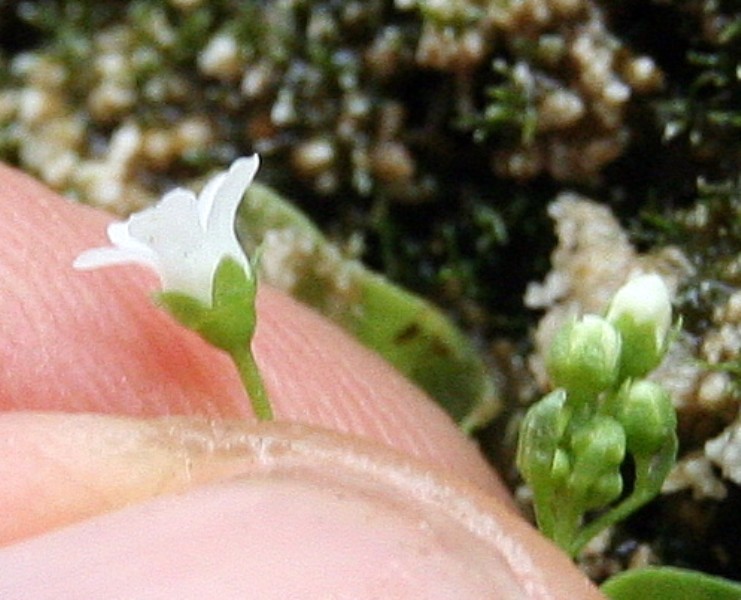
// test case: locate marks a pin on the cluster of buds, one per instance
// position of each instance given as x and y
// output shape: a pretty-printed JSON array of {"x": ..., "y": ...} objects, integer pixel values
[{"x": 574, "y": 441}]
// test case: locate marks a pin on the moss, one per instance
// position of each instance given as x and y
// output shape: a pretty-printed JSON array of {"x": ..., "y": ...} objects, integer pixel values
[{"x": 709, "y": 233}]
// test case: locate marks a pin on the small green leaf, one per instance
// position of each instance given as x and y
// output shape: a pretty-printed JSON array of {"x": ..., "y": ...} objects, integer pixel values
[{"x": 669, "y": 583}]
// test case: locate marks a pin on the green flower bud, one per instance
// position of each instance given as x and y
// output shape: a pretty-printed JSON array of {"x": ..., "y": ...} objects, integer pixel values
[
  {"x": 605, "y": 489},
  {"x": 585, "y": 356},
  {"x": 642, "y": 313},
  {"x": 541, "y": 432},
  {"x": 560, "y": 467},
  {"x": 597, "y": 450},
  {"x": 645, "y": 410},
  {"x": 599, "y": 444}
]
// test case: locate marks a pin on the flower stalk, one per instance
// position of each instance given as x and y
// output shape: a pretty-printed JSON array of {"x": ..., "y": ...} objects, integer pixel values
[{"x": 249, "y": 373}]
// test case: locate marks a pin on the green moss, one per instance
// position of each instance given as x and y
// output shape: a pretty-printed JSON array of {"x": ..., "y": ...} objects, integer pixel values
[
  {"x": 705, "y": 112},
  {"x": 510, "y": 111},
  {"x": 709, "y": 233}
]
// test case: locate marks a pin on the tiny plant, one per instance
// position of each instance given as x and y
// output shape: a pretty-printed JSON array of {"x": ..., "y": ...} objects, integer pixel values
[
  {"x": 602, "y": 412},
  {"x": 209, "y": 284}
]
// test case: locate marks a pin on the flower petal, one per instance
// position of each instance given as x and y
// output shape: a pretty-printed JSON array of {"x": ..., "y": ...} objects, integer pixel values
[
  {"x": 207, "y": 197},
  {"x": 220, "y": 220},
  {"x": 107, "y": 256},
  {"x": 120, "y": 236},
  {"x": 183, "y": 238},
  {"x": 170, "y": 228}
]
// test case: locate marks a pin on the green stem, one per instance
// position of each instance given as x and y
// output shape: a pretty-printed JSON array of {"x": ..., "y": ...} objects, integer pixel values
[
  {"x": 650, "y": 474},
  {"x": 544, "y": 513},
  {"x": 567, "y": 524},
  {"x": 612, "y": 516},
  {"x": 249, "y": 373}
]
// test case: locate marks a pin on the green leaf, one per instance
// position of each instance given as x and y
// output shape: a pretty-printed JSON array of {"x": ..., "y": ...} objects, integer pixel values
[
  {"x": 412, "y": 334},
  {"x": 669, "y": 583},
  {"x": 424, "y": 345}
]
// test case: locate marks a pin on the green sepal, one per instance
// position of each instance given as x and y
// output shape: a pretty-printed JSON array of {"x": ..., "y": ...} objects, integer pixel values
[
  {"x": 232, "y": 286},
  {"x": 188, "y": 311},
  {"x": 584, "y": 357},
  {"x": 641, "y": 311},
  {"x": 643, "y": 350},
  {"x": 669, "y": 583},
  {"x": 230, "y": 322},
  {"x": 645, "y": 410},
  {"x": 598, "y": 450},
  {"x": 541, "y": 433}
]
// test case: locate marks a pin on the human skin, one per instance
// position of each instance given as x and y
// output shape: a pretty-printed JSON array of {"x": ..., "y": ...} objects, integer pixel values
[{"x": 132, "y": 466}]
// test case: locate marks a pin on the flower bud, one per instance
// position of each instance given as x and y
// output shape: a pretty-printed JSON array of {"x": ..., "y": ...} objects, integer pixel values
[
  {"x": 599, "y": 444},
  {"x": 645, "y": 410},
  {"x": 642, "y": 313},
  {"x": 598, "y": 450},
  {"x": 585, "y": 356},
  {"x": 540, "y": 433},
  {"x": 606, "y": 489}
]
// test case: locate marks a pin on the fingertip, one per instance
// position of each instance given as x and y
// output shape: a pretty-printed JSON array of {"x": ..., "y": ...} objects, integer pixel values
[
  {"x": 317, "y": 374},
  {"x": 307, "y": 514},
  {"x": 93, "y": 342}
]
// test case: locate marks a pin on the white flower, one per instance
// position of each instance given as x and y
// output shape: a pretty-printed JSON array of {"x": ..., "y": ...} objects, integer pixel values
[
  {"x": 641, "y": 311},
  {"x": 183, "y": 238},
  {"x": 645, "y": 301}
]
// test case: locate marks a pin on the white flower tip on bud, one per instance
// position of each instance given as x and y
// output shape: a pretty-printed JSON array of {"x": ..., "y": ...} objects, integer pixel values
[
  {"x": 641, "y": 311},
  {"x": 646, "y": 299}
]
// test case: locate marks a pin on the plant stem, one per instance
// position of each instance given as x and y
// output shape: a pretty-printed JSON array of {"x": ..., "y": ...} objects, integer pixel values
[
  {"x": 567, "y": 522},
  {"x": 612, "y": 516},
  {"x": 249, "y": 373}
]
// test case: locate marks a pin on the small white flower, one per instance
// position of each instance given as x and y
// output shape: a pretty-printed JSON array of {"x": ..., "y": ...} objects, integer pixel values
[
  {"x": 645, "y": 301},
  {"x": 183, "y": 238},
  {"x": 641, "y": 311}
]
